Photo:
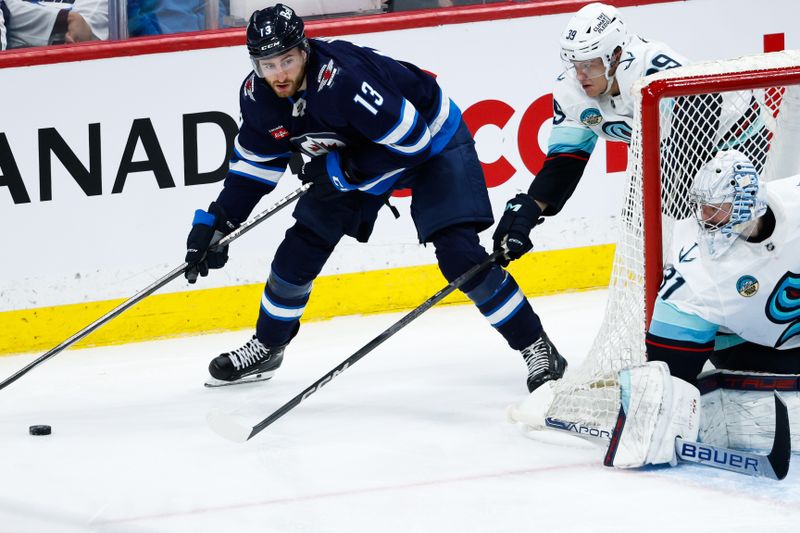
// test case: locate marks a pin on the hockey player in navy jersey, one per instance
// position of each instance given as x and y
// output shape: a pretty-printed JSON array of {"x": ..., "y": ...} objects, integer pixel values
[{"x": 357, "y": 125}]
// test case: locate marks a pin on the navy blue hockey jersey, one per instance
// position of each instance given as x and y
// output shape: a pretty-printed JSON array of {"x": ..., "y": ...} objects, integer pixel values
[{"x": 368, "y": 114}]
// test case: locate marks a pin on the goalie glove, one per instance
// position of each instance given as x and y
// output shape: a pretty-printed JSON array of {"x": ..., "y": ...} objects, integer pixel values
[{"x": 654, "y": 409}]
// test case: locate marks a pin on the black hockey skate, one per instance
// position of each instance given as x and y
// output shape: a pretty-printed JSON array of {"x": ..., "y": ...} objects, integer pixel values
[
  {"x": 544, "y": 362},
  {"x": 252, "y": 362}
]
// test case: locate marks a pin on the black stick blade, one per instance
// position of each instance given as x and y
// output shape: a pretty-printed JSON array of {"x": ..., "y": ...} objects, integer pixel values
[{"x": 781, "y": 452}]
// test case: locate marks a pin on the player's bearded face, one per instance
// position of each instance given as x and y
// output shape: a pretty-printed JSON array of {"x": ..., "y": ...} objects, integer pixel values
[
  {"x": 286, "y": 73},
  {"x": 591, "y": 74}
]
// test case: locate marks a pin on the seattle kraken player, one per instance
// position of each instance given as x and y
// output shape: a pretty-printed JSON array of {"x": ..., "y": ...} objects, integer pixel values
[
  {"x": 731, "y": 295},
  {"x": 731, "y": 289},
  {"x": 592, "y": 99},
  {"x": 357, "y": 125}
]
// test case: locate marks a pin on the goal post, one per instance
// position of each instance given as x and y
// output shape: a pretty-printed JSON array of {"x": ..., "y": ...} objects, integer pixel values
[
  {"x": 682, "y": 117},
  {"x": 769, "y": 72}
]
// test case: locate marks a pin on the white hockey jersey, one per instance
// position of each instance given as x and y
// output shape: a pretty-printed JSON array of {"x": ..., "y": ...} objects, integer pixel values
[
  {"x": 753, "y": 290},
  {"x": 579, "y": 119},
  {"x": 32, "y": 22}
]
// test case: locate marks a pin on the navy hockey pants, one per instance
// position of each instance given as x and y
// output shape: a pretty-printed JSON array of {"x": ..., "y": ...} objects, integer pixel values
[{"x": 449, "y": 206}]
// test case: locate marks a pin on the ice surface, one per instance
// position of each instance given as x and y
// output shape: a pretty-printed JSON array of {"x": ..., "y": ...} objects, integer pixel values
[{"x": 412, "y": 438}]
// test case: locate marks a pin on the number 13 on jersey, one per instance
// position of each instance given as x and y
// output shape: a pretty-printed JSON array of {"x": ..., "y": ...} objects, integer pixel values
[{"x": 374, "y": 95}]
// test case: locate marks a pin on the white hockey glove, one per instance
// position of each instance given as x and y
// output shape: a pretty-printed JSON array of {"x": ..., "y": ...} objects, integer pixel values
[{"x": 655, "y": 408}]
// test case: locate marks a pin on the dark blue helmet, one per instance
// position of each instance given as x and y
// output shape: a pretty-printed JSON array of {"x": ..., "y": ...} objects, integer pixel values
[{"x": 273, "y": 31}]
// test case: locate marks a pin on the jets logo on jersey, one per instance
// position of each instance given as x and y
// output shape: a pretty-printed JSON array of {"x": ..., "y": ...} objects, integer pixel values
[
  {"x": 591, "y": 117},
  {"x": 249, "y": 87},
  {"x": 318, "y": 143},
  {"x": 278, "y": 133},
  {"x": 326, "y": 75},
  {"x": 747, "y": 286},
  {"x": 783, "y": 306}
]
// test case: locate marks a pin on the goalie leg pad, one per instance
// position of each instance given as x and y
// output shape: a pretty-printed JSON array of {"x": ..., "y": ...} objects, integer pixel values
[
  {"x": 654, "y": 409},
  {"x": 738, "y": 409}
]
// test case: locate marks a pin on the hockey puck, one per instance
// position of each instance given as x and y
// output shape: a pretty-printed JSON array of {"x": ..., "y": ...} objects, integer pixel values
[{"x": 40, "y": 430}]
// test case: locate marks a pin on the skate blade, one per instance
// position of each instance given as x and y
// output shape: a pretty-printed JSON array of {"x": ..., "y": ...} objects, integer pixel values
[{"x": 262, "y": 376}]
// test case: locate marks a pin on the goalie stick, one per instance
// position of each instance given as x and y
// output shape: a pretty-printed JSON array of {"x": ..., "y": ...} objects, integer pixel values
[
  {"x": 150, "y": 289},
  {"x": 774, "y": 465},
  {"x": 227, "y": 426}
]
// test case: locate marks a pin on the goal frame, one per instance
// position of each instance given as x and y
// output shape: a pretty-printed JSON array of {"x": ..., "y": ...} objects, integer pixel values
[{"x": 651, "y": 95}]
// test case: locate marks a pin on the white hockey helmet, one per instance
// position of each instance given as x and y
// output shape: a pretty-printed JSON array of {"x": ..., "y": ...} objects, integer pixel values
[
  {"x": 596, "y": 30},
  {"x": 727, "y": 197}
]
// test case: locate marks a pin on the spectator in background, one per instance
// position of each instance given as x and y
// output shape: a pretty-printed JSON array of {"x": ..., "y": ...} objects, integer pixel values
[
  {"x": 43, "y": 23},
  {"x": 409, "y": 5},
  {"x": 3, "y": 11},
  {"x": 160, "y": 17}
]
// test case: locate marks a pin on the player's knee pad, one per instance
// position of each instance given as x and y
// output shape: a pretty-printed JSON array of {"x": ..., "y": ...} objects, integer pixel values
[
  {"x": 654, "y": 409},
  {"x": 301, "y": 255},
  {"x": 738, "y": 409},
  {"x": 457, "y": 250}
]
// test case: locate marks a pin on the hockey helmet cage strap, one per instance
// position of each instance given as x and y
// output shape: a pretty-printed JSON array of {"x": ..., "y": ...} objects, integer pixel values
[
  {"x": 729, "y": 181},
  {"x": 596, "y": 30},
  {"x": 273, "y": 31}
]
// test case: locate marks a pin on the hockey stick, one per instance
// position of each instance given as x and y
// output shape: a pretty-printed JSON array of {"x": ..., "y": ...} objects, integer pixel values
[
  {"x": 133, "y": 300},
  {"x": 227, "y": 426},
  {"x": 774, "y": 465}
]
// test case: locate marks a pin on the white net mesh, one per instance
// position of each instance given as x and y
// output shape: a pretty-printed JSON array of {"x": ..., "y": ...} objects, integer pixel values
[{"x": 764, "y": 123}]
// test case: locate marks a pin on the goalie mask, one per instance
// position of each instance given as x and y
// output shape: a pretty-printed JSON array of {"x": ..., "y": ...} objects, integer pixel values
[
  {"x": 273, "y": 31},
  {"x": 595, "y": 31},
  {"x": 727, "y": 198}
]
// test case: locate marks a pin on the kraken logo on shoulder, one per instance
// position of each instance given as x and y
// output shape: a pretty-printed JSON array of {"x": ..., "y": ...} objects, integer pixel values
[
  {"x": 618, "y": 130},
  {"x": 783, "y": 306},
  {"x": 314, "y": 144},
  {"x": 591, "y": 117}
]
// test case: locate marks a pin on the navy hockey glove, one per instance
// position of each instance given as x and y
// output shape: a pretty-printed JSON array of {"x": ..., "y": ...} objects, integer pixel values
[
  {"x": 315, "y": 171},
  {"x": 207, "y": 230},
  {"x": 512, "y": 235}
]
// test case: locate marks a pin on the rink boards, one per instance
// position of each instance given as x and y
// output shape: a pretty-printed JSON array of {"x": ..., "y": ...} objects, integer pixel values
[{"x": 99, "y": 178}]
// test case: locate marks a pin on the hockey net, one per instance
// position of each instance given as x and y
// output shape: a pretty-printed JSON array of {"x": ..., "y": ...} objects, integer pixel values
[{"x": 682, "y": 118}]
